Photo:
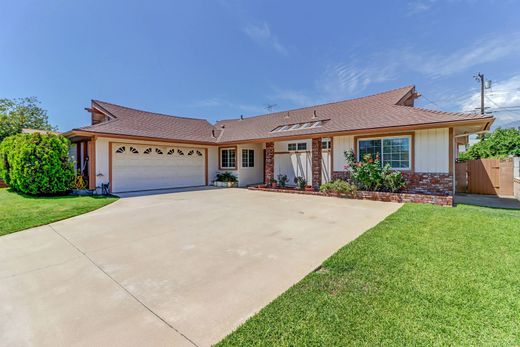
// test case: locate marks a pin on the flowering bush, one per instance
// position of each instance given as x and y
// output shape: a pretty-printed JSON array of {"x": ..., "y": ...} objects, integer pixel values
[{"x": 370, "y": 174}]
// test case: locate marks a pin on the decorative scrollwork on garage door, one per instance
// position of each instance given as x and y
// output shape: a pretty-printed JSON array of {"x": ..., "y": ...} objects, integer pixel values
[
  {"x": 171, "y": 151},
  {"x": 191, "y": 152},
  {"x": 148, "y": 150},
  {"x": 134, "y": 150},
  {"x": 121, "y": 149},
  {"x": 199, "y": 153},
  {"x": 179, "y": 152},
  {"x": 158, "y": 151}
]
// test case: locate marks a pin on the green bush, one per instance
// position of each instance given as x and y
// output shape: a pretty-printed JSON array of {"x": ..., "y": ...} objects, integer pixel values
[
  {"x": 369, "y": 174},
  {"x": 300, "y": 182},
  {"x": 226, "y": 177},
  {"x": 36, "y": 164},
  {"x": 499, "y": 144},
  {"x": 338, "y": 186}
]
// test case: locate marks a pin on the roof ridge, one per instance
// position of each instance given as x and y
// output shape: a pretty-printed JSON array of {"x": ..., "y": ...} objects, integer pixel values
[
  {"x": 319, "y": 105},
  {"x": 153, "y": 113}
]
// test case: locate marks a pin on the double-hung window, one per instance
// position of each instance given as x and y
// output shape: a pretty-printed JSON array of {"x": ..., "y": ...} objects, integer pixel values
[
  {"x": 395, "y": 151},
  {"x": 301, "y": 146},
  {"x": 228, "y": 158},
  {"x": 248, "y": 158}
]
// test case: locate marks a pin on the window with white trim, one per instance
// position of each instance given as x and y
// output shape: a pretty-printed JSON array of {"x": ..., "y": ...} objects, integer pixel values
[
  {"x": 248, "y": 158},
  {"x": 325, "y": 144},
  {"x": 301, "y": 146},
  {"x": 228, "y": 158},
  {"x": 394, "y": 151}
]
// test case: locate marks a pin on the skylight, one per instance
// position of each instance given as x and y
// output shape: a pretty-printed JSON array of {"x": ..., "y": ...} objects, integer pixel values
[{"x": 298, "y": 126}]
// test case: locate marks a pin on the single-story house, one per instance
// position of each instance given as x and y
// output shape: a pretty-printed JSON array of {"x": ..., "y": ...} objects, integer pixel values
[{"x": 139, "y": 150}]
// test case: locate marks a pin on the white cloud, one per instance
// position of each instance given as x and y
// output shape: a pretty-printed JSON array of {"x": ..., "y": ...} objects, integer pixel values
[
  {"x": 483, "y": 51},
  {"x": 262, "y": 35},
  {"x": 502, "y": 94},
  {"x": 418, "y": 6}
]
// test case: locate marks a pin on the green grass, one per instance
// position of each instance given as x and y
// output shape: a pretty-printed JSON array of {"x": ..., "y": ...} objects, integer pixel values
[
  {"x": 18, "y": 211},
  {"x": 426, "y": 275}
]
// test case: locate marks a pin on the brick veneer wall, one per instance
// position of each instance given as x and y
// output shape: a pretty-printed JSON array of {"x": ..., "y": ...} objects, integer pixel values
[
  {"x": 442, "y": 200},
  {"x": 316, "y": 163},
  {"x": 269, "y": 161},
  {"x": 418, "y": 182}
]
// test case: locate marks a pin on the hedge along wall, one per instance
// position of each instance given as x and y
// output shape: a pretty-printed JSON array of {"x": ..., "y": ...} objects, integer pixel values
[{"x": 36, "y": 164}]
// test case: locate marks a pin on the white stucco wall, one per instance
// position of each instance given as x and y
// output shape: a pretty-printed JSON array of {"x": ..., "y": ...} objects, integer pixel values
[
  {"x": 432, "y": 150},
  {"x": 102, "y": 149},
  {"x": 340, "y": 144}
]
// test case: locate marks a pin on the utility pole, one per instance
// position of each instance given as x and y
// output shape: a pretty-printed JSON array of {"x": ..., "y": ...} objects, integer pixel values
[{"x": 480, "y": 78}]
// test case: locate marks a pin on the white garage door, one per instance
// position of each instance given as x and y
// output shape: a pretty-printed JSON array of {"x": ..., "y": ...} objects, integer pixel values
[{"x": 144, "y": 167}]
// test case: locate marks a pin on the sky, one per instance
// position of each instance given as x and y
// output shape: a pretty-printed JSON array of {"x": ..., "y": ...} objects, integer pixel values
[{"x": 224, "y": 58}]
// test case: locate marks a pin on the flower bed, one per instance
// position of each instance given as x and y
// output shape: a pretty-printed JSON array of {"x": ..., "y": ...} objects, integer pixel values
[{"x": 442, "y": 200}]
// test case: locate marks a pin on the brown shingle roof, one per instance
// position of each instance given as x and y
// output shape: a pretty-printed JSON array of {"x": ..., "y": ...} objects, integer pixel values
[
  {"x": 370, "y": 112},
  {"x": 129, "y": 121},
  {"x": 382, "y": 110}
]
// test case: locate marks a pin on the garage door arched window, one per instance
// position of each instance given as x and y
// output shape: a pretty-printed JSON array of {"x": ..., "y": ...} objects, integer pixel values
[
  {"x": 171, "y": 151},
  {"x": 148, "y": 150},
  {"x": 121, "y": 149},
  {"x": 199, "y": 153},
  {"x": 134, "y": 150},
  {"x": 158, "y": 151}
]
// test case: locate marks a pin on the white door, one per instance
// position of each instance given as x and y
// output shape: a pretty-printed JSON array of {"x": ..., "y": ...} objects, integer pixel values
[
  {"x": 145, "y": 167},
  {"x": 293, "y": 164}
]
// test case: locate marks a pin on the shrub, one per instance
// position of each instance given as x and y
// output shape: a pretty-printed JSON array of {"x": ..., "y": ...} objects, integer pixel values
[
  {"x": 37, "y": 164},
  {"x": 226, "y": 177},
  {"x": 339, "y": 187},
  {"x": 369, "y": 174},
  {"x": 300, "y": 182},
  {"x": 282, "y": 180},
  {"x": 499, "y": 144}
]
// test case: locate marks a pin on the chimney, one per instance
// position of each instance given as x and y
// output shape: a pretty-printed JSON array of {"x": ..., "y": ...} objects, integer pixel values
[
  {"x": 314, "y": 114},
  {"x": 213, "y": 133}
]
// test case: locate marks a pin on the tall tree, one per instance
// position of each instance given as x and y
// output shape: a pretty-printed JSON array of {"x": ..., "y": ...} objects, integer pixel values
[{"x": 17, "y": 114}]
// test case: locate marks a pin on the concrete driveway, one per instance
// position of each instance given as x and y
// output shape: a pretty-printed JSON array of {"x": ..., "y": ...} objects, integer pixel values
[{"x": 172, "y": 269}]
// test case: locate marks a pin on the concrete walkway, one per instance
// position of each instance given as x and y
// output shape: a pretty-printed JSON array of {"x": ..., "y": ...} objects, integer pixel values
[
  {"x": 177, "y": 269},
  {"x": 488, "y": 200}
]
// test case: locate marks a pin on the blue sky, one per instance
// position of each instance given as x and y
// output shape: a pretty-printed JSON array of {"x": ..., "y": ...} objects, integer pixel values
[{"x": 221, "y": 59}]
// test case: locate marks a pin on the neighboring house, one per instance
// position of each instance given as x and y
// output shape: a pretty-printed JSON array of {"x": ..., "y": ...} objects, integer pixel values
[{"x": 138, "y": 150}]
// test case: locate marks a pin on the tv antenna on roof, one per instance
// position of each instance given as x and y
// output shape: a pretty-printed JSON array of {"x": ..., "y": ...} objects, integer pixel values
[{"x": 269, "y": 107}]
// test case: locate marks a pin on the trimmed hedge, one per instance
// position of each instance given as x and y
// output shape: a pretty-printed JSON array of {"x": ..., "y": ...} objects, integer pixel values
[{"x": 36, "y": 164}]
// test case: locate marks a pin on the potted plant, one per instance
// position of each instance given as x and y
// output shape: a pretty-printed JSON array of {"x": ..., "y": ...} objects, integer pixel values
[
  {"x": 225, "y": 179},
  {"x": 309, "y": 188},
  {"x": 272, "y": 182},
  {"x": 300, "y": 182},
  {"x": 282, "y": 180}
]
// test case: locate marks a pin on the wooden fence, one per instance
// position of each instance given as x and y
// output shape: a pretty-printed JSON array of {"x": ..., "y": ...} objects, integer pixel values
[{"x": 485, "y": 176}]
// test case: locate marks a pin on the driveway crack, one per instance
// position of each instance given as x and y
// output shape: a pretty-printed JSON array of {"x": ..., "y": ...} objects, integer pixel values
[{"x": 123, "y": 288}]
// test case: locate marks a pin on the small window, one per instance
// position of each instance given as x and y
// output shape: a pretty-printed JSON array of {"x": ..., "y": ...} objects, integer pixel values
[
  {"x": 306, "y": 125},
  {"x": 121, "y": 149},
  {"x": 317, "y": 124},
  {"x": 171, "y": 151},
  {"x": 158, "y": 151},
  {"x": 291, "y": 147},
  {"x": 295, "y": 126},
  {"x": 325, "y": 144},
  {"x": 302, "y": 146},
  {"x": 228, "y": 158},
  {"x": 147, "y": 151},
  {"x": 179, "y": 152},
  {"x": 191, "y": 152},
  {"x": 248, "y": 158},
  {"x": 134, "y": 150}
]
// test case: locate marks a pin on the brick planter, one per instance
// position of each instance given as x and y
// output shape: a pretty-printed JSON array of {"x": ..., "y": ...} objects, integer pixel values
[{"x": 442, "y": 200}]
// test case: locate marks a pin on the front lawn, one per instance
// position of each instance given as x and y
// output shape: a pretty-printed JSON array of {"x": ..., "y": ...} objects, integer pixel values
[
  {"x": 18, "y": 211},
  {"x": 426, "y": 275}
]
